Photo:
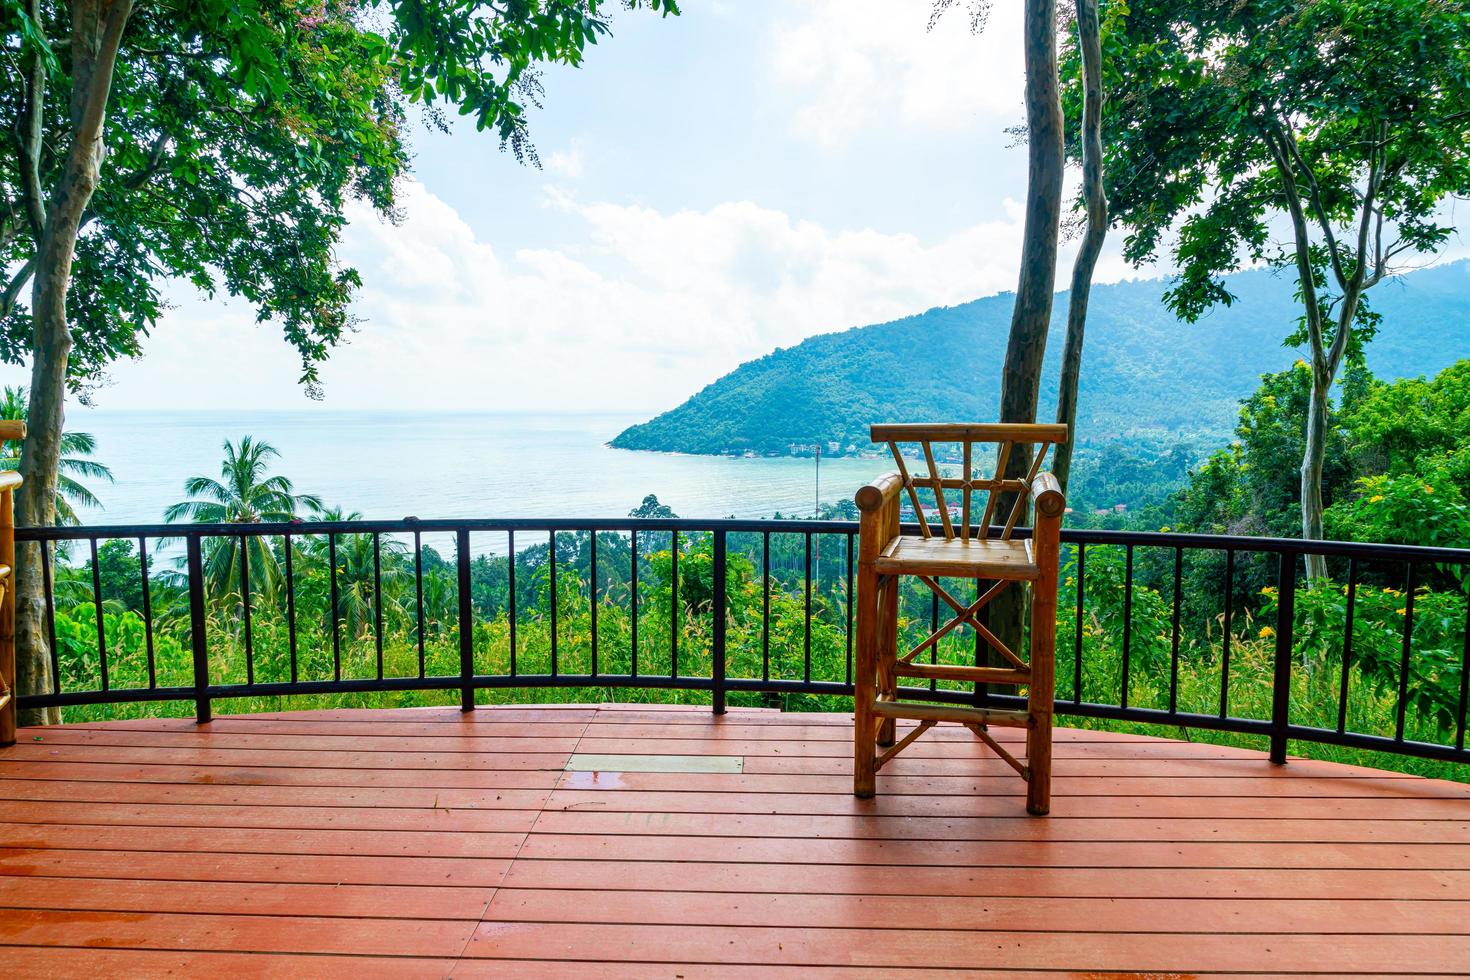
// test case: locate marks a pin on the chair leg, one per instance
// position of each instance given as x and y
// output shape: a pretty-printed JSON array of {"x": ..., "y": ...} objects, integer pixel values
[
  {"x": 888, "y": 654},
  {"x": 864, "y": 772},
  {"x": 1041, "y": 694}
]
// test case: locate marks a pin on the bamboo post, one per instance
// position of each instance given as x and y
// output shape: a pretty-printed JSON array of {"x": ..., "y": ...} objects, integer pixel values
[
  {"x": 12, "y": 430},
  {"x": 873, "y": 502},
  {"x": 1050, "y": 504}
]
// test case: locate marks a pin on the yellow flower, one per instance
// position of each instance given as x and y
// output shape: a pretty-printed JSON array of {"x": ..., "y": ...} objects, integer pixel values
[
  {"x": 1375, "y": 498},
  {"x": 1403, "y": 611},
  {"x": 1267, "y": 631},
  {"x": 1428, "y": 488}
]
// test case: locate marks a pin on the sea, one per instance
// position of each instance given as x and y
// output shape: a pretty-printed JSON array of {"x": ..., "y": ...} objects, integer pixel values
[{"x": 388, "y": 465}]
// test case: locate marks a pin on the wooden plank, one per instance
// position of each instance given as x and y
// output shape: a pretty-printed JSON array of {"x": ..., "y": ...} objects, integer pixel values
[
  {"x": 1027, "y": 854},
  {"x": 256, "y": 725},
  {"x": 222, "y": 775},
  {"x": 1043, "y": 882},
  {"x": 1202, "y": 786},
  {"x": 220, "y": 794},
  {"x": 600, "y": 821},
  {"x": 44, "y": 961},
  {"x": 258, "y": 898},
  {"x": 159, "y": 841},
  {"x": 442, "y": 819},
  {"x": 234, "y": 933},
  {"x": 992, "y": 803},
  {"x": 288, "y": 759},
  {"x": 295, "y": 742},
  {"x": 311, "y": 868},
  {"x": 953, "y": 949},
  {"x": 984, "y": 914}
]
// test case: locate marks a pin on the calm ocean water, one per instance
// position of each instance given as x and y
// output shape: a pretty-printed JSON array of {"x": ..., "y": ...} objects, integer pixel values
[{"x": 392, "y": 465}]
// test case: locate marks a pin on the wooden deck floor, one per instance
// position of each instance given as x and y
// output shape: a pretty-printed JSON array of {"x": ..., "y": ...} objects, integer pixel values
[{"x": 427, "y": 843}]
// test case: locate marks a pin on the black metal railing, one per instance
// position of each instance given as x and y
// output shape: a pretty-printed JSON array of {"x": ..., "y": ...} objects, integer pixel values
[{"x": 1148, "y": 620}]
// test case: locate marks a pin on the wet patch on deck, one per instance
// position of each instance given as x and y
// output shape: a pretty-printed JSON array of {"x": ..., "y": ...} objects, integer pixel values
[{"x": 590, "y": 762}]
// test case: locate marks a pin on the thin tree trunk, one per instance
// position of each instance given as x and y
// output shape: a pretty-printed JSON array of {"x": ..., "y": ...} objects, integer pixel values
[
  {"x": 1031, "y": 316},
  {"x": 1312, "y": 460},
  {"x": 1089, "y": 40},
  {"x": 97, "y": 27}
]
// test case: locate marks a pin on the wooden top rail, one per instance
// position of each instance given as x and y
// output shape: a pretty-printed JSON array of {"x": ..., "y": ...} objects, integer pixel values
[
  {"x": 1046, "y": 495},
  {"x": 12, "y": 429},
  {"x": 970, "y": 432}
]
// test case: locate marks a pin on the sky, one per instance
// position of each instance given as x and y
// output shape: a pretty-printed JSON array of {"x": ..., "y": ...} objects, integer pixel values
[{"x": 712, "y": 186}]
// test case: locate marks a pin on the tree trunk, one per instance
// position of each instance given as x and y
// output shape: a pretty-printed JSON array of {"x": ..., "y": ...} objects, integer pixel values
[
  {"x": 1031, "y": 316},
  {"x": 1089, "y": 40},
  {"x": 97, "y": 27},
  {"x": 1312, "y": 459}
]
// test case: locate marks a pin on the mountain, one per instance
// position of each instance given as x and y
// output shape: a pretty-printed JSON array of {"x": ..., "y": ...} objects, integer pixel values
[{"x": 1144, "y": 373}]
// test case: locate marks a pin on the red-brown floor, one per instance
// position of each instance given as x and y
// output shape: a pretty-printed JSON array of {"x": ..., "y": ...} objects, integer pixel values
[{"x": 428, "y": 843}]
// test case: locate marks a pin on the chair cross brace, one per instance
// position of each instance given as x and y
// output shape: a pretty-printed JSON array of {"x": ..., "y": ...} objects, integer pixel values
[{"x": 964, "y": 615}]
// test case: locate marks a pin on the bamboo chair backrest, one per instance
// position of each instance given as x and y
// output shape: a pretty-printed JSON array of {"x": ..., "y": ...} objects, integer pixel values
[{"x": 1004, "y": 435}]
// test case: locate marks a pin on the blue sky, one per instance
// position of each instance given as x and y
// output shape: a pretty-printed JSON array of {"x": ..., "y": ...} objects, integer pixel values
[{"x": 713, "y": 186}]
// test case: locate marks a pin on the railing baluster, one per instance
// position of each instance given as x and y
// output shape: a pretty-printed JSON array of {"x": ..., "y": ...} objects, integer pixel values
[
  {"x": 147, "y": 613},
  {"x": 1464, "y": 683},
  {"x": 418, "y": 596},
  {"x": 766, "y": 605},
  {"x": 807, "y": 614},
  {"x": 1347, "y": 646},
  {"x": 1174, "y": 631},
  {"x": 1281, "y": 677},
  {"x": 633, "y": 602},
  {"x": 336, "y": 607},
  {"x": 510, "y": 541},
  {"x": 466, "y": 620},
  {"x": 97, "y": 610},
  {"x": 1077, "y": 644},
  {"x": 1225, "y": 648},
  {"x": 45, "y": 548},
  {"x": 674, "y": 605},
  {"x": 551, "y": 566},
  {"x": 378, "y": 600},
  {"x": 1410, "y": 583},
  {"x": 851, "y": 539},
  {"x": 1127, "y": 622},
  {"x": 718, "y": 640},
  {"x": 197, "y": 640},
  {"x": 592, "y": 599},
  {"x": 245, "y": 609},
  {"x": 291, "y": 608}
]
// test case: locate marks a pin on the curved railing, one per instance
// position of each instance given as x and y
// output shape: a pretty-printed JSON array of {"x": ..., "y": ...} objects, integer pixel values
[{"x": 1202, "y": 631}]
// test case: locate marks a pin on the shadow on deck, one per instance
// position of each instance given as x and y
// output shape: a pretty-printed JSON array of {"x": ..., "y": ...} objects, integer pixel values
[{"x": 424, "y": 842}]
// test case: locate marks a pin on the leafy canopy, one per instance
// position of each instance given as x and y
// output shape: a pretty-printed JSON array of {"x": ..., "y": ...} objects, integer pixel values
[{"x": 237, "y": 132}]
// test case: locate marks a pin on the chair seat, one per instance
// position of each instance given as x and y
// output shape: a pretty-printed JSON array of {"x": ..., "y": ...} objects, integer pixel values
[{"x": 987, "y": 558}]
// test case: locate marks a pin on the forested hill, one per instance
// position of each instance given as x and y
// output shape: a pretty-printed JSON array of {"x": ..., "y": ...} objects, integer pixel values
[{"x": 1145, "y": 374}]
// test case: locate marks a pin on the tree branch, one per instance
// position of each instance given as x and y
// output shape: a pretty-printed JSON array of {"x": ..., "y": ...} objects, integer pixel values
[
  {"x": 1303, "y": 242},
  {"x": 17, "y": 283},
  {"x": 1287, "y": 136},
  {"x": 31, "y": 134}
]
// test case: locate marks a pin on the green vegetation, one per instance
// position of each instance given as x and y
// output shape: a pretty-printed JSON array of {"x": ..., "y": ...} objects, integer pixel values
[{"x": 1149, "y": 379}]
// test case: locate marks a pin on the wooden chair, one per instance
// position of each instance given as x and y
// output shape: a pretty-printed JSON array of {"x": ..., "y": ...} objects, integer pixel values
[
  {"x": 987, "y": 553},
  {"x": 9, "y": 481}
]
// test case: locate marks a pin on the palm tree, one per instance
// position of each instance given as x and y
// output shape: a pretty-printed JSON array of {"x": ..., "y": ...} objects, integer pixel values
[
  {"x": 244, "y": 494},
  {"x": 75, "y": 466},
  {"x": 356, "y": 583}
]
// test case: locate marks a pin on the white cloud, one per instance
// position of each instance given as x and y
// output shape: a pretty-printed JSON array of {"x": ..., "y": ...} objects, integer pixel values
[
  {"x": 640, "y": 310},
  {"x": 566, "y": 163},
  {"x": 856, "y": 64}
]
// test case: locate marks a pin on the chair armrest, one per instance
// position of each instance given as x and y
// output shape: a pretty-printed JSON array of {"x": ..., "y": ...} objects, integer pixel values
[
  {"x": 872, "y": 497},
  {"x": 1046, "y": 496}
]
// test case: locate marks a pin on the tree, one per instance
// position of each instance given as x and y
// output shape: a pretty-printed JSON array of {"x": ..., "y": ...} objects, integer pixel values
[
  {"x": 218, "y": 142},
  {"x": 1086, "y": 59},
  {"x": 244, "y": 494},
  {"x": 651, "y": 508},
  {"x": 1346, "y": 120},
  {"x": 72, "y": 466}
]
